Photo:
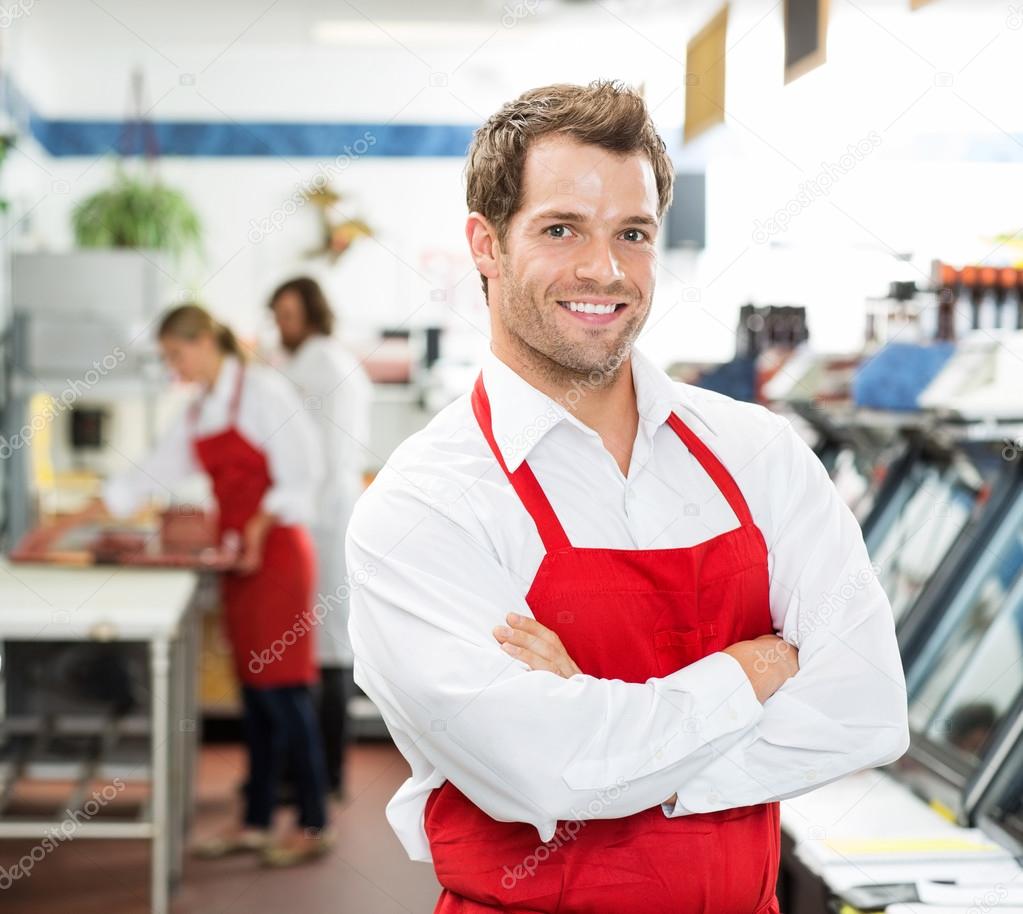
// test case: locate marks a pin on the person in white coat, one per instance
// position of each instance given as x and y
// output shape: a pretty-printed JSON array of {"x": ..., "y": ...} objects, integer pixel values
[{"x": 336, "y": 394}]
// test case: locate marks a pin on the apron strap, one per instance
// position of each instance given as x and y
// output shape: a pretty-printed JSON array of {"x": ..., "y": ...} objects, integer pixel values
[
  {"x": 232, "y": 415},
  {"x": 536, "y": 503},
  {"x": 715, "y": 469},
  {"x": 236, "y": 397},
  {"x": 523, "y": 481}
]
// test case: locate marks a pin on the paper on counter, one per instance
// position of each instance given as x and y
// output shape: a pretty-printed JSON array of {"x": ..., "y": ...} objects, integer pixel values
[
  {"x": 997, "y": 893},
  {"x": 965, "y": 844},
  {"x": 847, "y": 875},
  {"x": 917, "y": 908}
]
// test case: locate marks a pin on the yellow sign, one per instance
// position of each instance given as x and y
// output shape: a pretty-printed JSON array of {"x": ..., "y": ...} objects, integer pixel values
[{"x": 705, "y": 76}]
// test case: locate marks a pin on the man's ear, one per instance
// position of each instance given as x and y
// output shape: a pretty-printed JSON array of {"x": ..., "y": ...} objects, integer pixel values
[{"x": 483, "y": 244}]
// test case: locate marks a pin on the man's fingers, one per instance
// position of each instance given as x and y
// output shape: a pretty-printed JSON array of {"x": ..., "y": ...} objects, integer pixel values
[
  {"x": 531, "y": 626},
  {"x": 526, "y": 641},
  {"x": 532, "y": 659}
]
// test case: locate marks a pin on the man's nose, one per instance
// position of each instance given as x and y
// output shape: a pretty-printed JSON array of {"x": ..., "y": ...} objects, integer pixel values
[{"x": 598, "y": 263}]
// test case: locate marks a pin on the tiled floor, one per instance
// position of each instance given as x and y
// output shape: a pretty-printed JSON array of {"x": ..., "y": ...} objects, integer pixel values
[{"x": 366, "y": 873}]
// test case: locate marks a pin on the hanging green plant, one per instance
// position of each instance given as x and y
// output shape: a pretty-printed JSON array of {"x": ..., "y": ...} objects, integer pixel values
[{"x": 137, "y": 212}]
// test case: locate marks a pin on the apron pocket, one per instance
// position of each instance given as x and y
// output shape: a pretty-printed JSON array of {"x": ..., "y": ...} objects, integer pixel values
[{"x": 677, "y": 648}]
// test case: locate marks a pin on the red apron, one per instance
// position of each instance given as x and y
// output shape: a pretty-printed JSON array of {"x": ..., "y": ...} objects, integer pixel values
[
  {"x": 267, "y": 613},
  {"x": 631, "y": 615}
]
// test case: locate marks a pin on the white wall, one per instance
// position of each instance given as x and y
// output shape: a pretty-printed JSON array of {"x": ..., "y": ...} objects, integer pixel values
[{"x": 886, "y": 74}]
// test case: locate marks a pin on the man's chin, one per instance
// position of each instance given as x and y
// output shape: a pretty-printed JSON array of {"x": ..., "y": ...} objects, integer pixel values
[{"x": 603, "y": 361}]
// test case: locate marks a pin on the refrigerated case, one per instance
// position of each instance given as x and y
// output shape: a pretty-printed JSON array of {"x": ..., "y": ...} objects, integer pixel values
[
  {"x": 859, "y": 452},
  {"x": 931, "y": 504},
  {"x": 963, "y": 652},
  {"x": 1000, "y": 808}
]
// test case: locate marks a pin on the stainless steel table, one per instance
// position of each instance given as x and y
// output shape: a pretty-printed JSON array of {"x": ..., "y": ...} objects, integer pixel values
[{"x": 47, "y": 603}]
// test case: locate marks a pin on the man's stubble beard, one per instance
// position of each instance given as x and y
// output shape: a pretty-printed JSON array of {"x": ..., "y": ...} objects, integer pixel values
[{"x": 533, "y": 330}]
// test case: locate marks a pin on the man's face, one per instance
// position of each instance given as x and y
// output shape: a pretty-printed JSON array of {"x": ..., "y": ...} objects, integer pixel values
[
  {"x": 290, "y": 317},
  {"x": 582, "y": 241}
]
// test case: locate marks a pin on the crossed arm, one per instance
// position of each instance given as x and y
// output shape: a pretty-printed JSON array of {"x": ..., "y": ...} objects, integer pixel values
[
  {"x": 767, "y": 661},
  {"x": 529, "y": 739}
]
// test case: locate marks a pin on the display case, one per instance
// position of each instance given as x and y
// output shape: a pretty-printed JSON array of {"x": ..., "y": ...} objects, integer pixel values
[
  {"x": 964, "y": 664},
  {"x": 860, "y": 453},
  {"x": 933, "y": 501},
  {"x": 1000, "y": 806}
]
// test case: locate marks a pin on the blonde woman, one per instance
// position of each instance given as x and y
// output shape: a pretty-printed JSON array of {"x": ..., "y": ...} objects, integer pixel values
[{"x": 247, "y": 432}]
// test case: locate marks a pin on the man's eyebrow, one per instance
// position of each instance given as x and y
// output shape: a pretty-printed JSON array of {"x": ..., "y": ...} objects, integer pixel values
[
  {"x": 554, "y": 215},
  {"x": 641, "y": 220},
  {"x": 558, "y": 215}
]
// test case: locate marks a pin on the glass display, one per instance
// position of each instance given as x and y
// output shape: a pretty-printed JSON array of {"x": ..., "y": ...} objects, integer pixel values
[
  {"x": 970, "y": 672},
  {"x": 1005, "y": 807},
  {"x": 927, "y": 513}
]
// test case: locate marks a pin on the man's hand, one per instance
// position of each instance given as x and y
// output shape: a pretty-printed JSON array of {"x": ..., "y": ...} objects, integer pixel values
[
  {"x": 541, "y": 649},
  {"x": 253, "y": 538},
  {"x": 768, "y": 661}
]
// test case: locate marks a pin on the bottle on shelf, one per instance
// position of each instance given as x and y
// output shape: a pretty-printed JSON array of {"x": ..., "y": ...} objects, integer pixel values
[
  {"x": 949, "y": 289},
  {"x": 987, "y": 295},
  {"x": 968, "y": 318},
  {"x": 1006, "y": 294}
]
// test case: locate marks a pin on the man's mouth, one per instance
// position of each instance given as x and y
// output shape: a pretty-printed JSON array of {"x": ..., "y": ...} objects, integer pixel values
[{"x": 594, "y": 311}]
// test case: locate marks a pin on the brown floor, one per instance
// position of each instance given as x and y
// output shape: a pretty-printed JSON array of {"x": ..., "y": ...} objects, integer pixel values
[{"x": 366, "y": 873}]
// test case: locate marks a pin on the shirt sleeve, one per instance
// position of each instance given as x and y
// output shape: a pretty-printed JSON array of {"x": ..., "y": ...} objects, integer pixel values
[
  {"x": 293, "y": 450},
  {"x": 845, "y": 709},
  {"x": 170, "y": 461},
  {"x": 524, "y": 746}
]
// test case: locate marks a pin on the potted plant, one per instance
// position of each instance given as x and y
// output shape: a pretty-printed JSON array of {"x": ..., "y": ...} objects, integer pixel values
[{"x": 137, "y": 212}]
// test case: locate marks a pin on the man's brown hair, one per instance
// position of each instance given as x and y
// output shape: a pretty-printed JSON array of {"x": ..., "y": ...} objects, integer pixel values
[
  {"x": 605, "y": 114},
  {"x": 317, "y": 310}
]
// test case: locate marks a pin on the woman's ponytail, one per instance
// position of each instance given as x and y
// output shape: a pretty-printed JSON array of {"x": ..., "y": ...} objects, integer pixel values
[{"x": 228, "y": 342}]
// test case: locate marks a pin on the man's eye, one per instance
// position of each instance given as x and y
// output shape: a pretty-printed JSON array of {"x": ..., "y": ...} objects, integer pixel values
[
  {"x": 558, "y": 231},
  {"x": 634, "y": 235}
]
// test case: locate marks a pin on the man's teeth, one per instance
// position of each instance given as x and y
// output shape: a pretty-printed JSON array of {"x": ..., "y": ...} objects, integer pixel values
[{"x": 589, "y": 308}]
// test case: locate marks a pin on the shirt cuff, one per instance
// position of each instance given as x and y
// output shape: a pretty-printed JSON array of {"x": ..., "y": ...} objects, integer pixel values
[
  {"x": 287, "y": 505},
  {"x": 714, "y": 698},
  {"x": 119, "y": 499}
]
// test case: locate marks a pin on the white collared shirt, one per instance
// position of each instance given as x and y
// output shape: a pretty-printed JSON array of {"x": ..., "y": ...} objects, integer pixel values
[
  {"x": 270, "y": 416},
  {"x": 337, "y": 395},
  {"x": 440, "y": 549}
]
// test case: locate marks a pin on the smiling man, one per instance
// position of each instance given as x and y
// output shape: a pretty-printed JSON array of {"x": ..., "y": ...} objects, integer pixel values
[{"x": 609, "y": 619}]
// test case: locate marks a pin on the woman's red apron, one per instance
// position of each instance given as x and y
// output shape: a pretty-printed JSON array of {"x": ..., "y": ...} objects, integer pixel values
[
  {"x": 631, "y": 615},
  {"x": 267, "y": 613}
]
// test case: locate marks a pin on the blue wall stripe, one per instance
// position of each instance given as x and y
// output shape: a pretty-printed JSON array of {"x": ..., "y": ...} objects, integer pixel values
[
  {"x": 259, "y": 138},
  {"x": 82, "y": 137},
  {"x": 72, "y": 137}
]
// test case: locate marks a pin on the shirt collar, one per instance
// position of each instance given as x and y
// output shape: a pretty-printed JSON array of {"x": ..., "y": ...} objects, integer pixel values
[{"x": 522, "y": 415}]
